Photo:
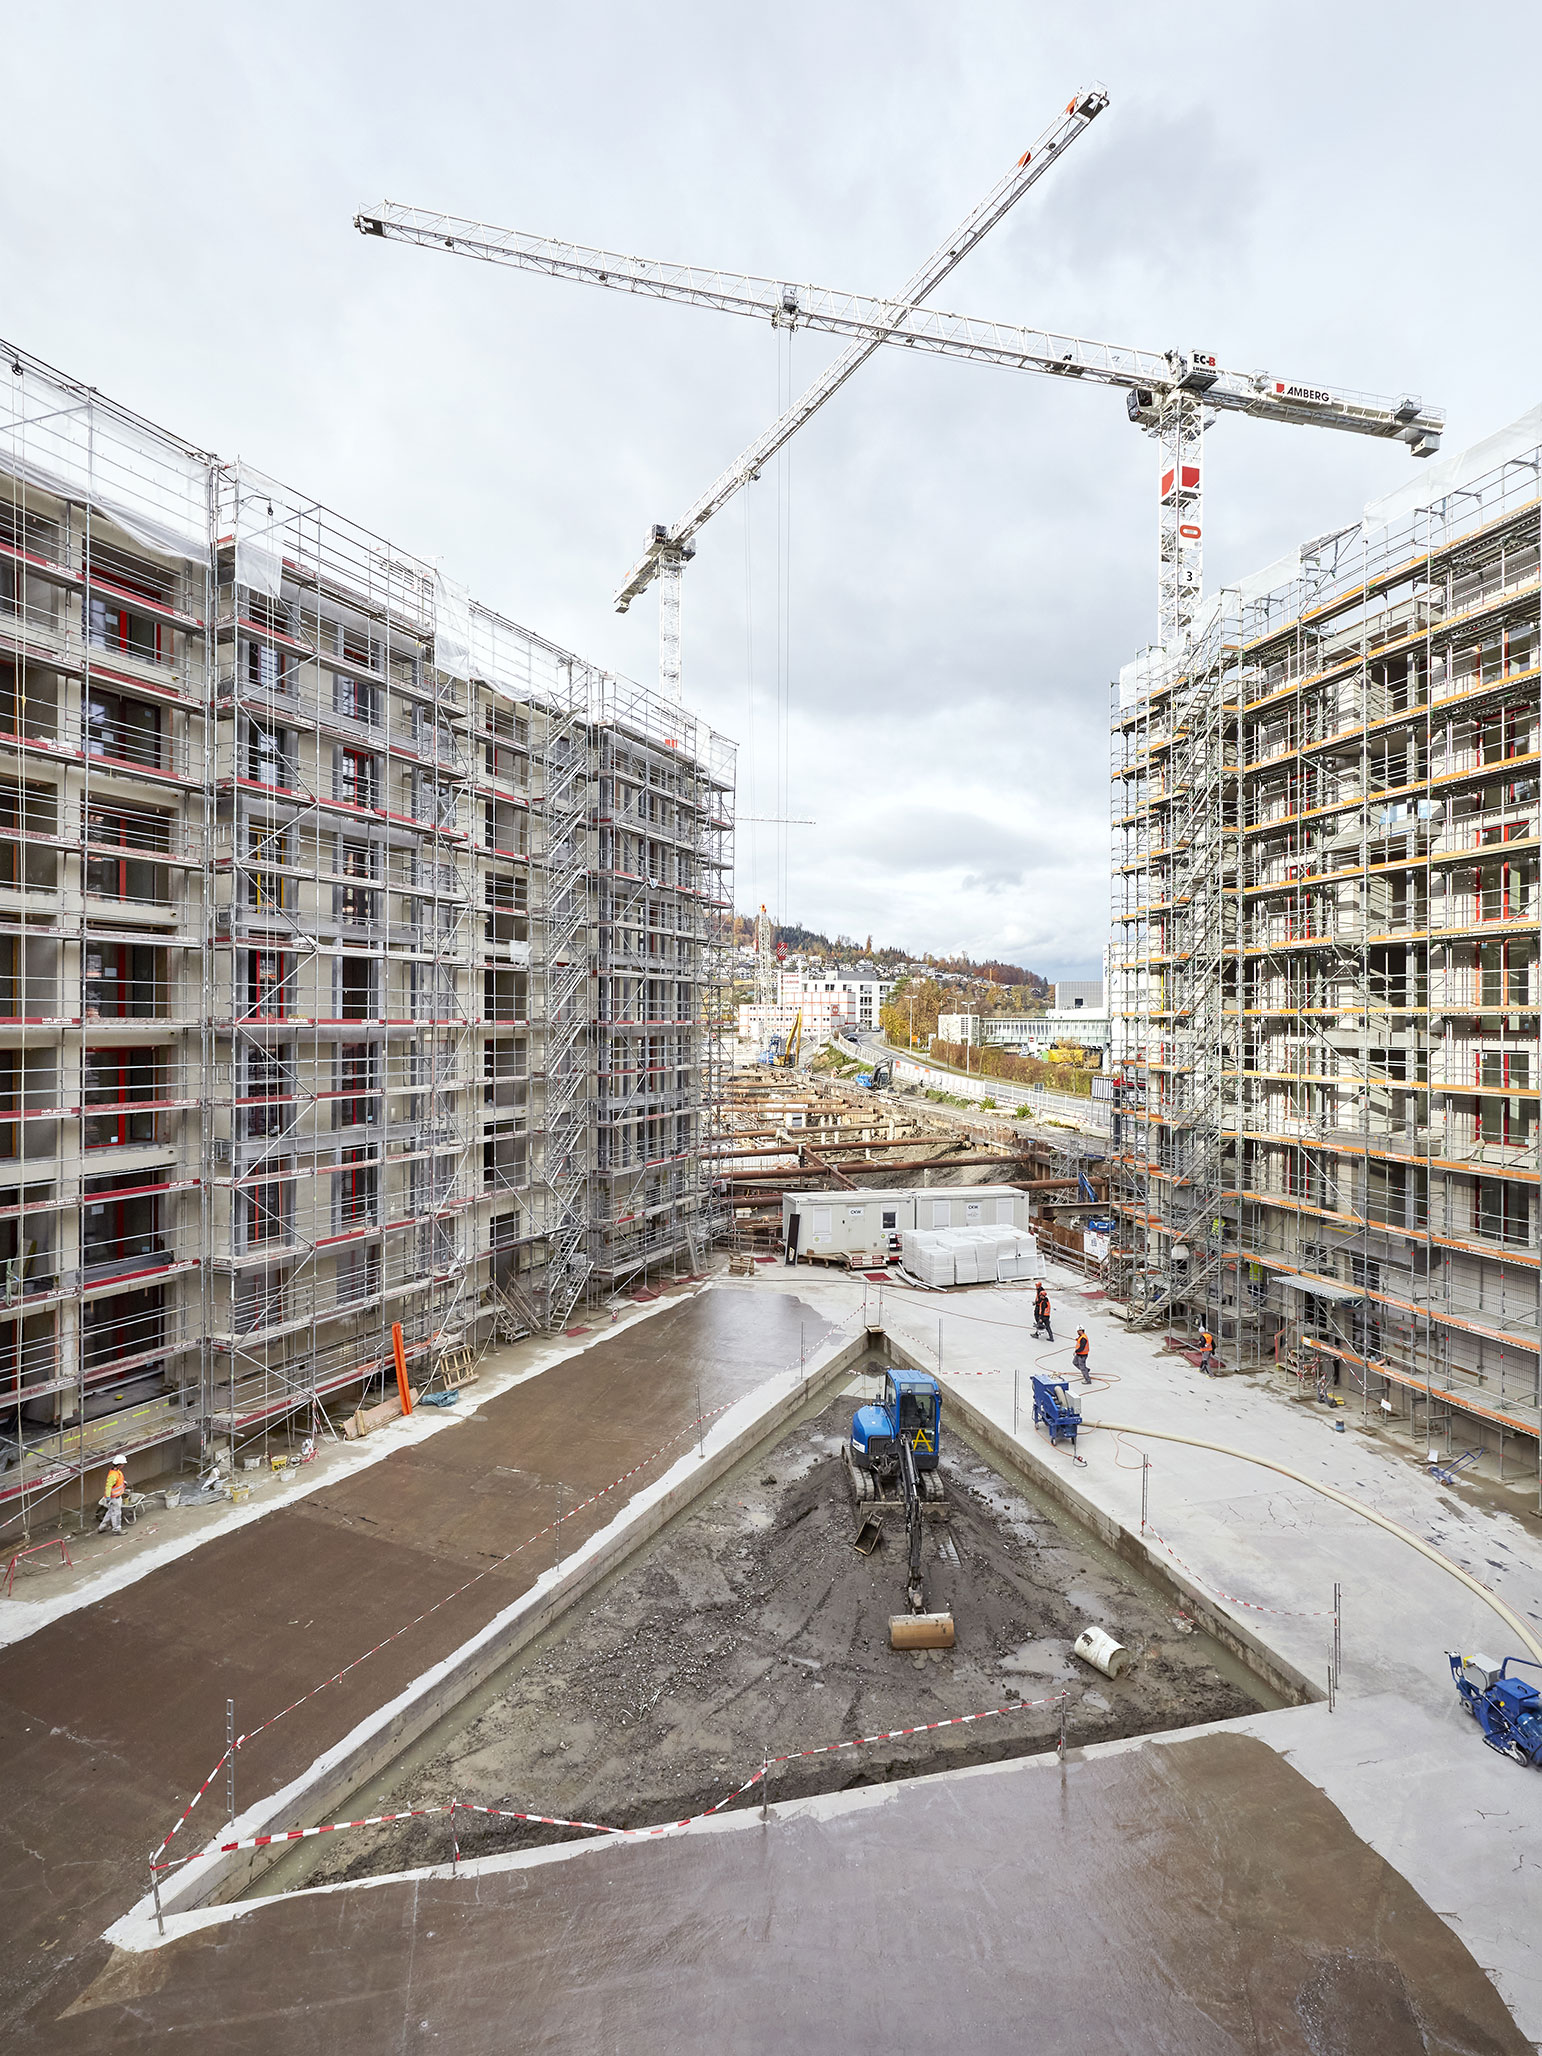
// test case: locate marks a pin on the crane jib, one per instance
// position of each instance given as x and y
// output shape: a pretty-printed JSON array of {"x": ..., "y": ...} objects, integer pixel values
[{"x": 1169, "y": 393}]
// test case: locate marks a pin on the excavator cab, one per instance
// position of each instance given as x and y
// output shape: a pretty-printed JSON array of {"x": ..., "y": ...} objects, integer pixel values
[{"x": 910, "y": 1410}]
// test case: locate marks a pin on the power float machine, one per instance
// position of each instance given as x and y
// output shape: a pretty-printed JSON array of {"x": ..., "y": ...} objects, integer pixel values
[{"x": 892, "y": 1462}]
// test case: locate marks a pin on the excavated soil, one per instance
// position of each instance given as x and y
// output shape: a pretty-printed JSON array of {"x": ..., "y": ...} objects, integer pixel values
[{"x": 751, "y": 1626}]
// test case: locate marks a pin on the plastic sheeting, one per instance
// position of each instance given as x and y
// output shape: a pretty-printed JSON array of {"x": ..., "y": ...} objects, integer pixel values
[
  {"x": 1520, "y": 441},
  {"x": 504, "y": 655},
  {"x": 67, "y": 442},
  {"x": 262, "y": 513},
  {"x": 452, "y": 628}
]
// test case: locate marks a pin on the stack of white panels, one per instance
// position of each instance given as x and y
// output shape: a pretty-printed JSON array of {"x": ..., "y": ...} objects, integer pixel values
[{"x": 970, "y": 1256}]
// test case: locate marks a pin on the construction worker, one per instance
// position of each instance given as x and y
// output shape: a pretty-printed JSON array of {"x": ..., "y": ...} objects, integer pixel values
[
  {"x": 1206, "y": 1350},
  {"x": 111, "y": 1522},
  {"x": 1079, "y": 1355},
  {"x": 1041, "y": 1324}
]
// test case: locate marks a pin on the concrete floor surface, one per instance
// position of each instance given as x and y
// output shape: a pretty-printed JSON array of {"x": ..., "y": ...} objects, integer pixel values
[
  {"x": 113, "y": 1714},
  {"x": 1244, "y": 1531},
  {"x": 1183, "y": 1898},
  {"x": 1363, "y": 1881}
]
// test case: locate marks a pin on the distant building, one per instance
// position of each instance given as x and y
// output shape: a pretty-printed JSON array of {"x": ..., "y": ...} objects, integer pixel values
[
  {"x": 822, "y": 1017},
  {"x": 1079, "y": 1015},
  {"x": 855, "y": 994}
]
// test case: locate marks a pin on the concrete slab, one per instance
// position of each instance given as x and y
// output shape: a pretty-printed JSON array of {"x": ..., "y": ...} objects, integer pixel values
[
  {"x": 1196, "y": 1896},
  {"x": 112, "y": 1715},
  {"x": 1358, "y": 1897}
]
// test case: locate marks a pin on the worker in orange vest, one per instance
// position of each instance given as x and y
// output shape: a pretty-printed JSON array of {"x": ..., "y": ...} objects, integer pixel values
[
  {"x": 1206, "y": 1350},
  {"x": 1041, "y": 1324},
  {"x": 1079, "y": 1355},
  {"x": 111, "y": 1522}
]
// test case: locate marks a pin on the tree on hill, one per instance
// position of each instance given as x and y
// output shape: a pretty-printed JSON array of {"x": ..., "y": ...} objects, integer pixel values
[{"x": 912, "y": 1008}]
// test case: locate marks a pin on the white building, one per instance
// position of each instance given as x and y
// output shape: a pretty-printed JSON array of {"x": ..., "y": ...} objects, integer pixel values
[
  {"x": 1079, "y": 1015},
  {"x": 854, "y": 995},
  {"x": 820, "y": 1017}
]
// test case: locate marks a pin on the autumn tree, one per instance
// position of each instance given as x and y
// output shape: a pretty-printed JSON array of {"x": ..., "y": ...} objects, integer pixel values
[{"x": 913, "y": 1005}]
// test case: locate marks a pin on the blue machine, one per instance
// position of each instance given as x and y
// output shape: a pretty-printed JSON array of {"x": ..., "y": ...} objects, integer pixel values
[
  {"x": 910, "y": 1411},
  {"x": 1508, "y": 1710},
  {"x": 892, "y": 1459},
  {"x": 1054, "y": 1406}
]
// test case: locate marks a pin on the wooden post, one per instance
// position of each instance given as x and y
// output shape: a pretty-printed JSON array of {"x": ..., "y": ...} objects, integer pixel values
[{"x": 398, "y": 1350}]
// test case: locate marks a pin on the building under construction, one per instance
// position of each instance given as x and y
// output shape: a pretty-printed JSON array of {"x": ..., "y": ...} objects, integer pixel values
[
  {"x": 1325, "y": 922},
  {"x": 362, "y": 956}
]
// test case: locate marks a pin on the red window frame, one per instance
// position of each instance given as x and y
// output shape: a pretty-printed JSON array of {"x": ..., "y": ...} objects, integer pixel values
[
  {"x": 358, "y": 1105},
  {"x": 356, "y": 778},
  {"x": 110, "y": 877},
  {"x": 113, "y": 618},
  {"x": 111, "y": 711},
  {"x": 118, "y": 1116},
  {"x": 267, "y": 993},
  {"x": 354, "y": 1186},
  {"x": 124, "y": 986},
  {"x": 267, "y": 1212}
]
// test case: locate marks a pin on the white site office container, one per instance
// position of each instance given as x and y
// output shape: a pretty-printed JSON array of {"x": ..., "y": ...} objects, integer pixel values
[{"x": 865, "y": 1222}]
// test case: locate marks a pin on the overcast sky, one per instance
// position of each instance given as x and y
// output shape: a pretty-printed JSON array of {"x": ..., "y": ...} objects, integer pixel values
[{"x": 1339, "y": 193}]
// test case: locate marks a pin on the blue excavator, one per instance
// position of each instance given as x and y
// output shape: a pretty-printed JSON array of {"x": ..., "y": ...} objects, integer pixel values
[
  {"x": 1508, "y": 1710},
  {"x": 892, "y": 1461}
]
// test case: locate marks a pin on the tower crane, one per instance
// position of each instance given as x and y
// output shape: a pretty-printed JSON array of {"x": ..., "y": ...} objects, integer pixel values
[
  {"x": 1171, "y": 394},
  {"x": 670, "y": 549}
]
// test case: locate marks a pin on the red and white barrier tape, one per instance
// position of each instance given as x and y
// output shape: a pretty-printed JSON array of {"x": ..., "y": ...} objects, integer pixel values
[
  {"x": 550, "y": 1820},
  {"x": 449, "y": 1597},
  {"x": 208, "y": 1781},
  {"x": 953, "y": 1720}
]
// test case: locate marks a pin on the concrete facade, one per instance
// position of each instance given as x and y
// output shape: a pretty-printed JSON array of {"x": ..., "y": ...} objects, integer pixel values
[{"x": 358, "y": 953}]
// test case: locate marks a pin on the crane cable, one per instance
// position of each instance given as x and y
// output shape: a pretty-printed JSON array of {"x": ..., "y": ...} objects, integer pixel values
[{"x": 1510, "y": 1618}]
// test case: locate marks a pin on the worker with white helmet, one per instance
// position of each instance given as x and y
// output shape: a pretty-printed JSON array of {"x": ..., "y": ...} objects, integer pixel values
[{"x": 111, "y": 1522}]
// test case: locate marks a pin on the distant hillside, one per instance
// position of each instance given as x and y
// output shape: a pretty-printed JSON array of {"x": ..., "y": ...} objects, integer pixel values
[{"x": 890, "y": 958}]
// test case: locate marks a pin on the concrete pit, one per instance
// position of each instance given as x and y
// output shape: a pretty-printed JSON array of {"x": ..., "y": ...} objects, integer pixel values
[{"x": 750, "y": 1626}]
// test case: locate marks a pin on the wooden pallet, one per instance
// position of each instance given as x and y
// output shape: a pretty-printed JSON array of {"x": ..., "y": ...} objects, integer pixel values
[{"x": 455, "y": 1369}]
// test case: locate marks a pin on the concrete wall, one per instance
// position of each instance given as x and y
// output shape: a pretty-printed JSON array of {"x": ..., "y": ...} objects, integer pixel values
[{"x": 1094, "y": 1116}]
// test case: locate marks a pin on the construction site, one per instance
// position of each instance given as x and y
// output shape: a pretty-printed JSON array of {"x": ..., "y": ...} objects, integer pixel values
[{"x": 524, "y": 1533}]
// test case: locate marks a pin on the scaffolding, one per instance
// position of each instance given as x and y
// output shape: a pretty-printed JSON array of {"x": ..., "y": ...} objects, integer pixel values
[
  {"x": 1325, "y": 910},
  {"x": 663, "y": 912},
  {"x": 318, "y": 1011},
  {"x": 341, "y": 964}
]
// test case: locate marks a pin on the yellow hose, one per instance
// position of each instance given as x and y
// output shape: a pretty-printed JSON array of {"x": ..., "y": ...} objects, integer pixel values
[{"x": 1511, "y": 1620}]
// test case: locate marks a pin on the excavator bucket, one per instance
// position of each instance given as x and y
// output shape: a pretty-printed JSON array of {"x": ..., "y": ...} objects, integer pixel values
[
  {"x": 869, "y": 1534},
  {"x": 921, "y": 1631}
]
